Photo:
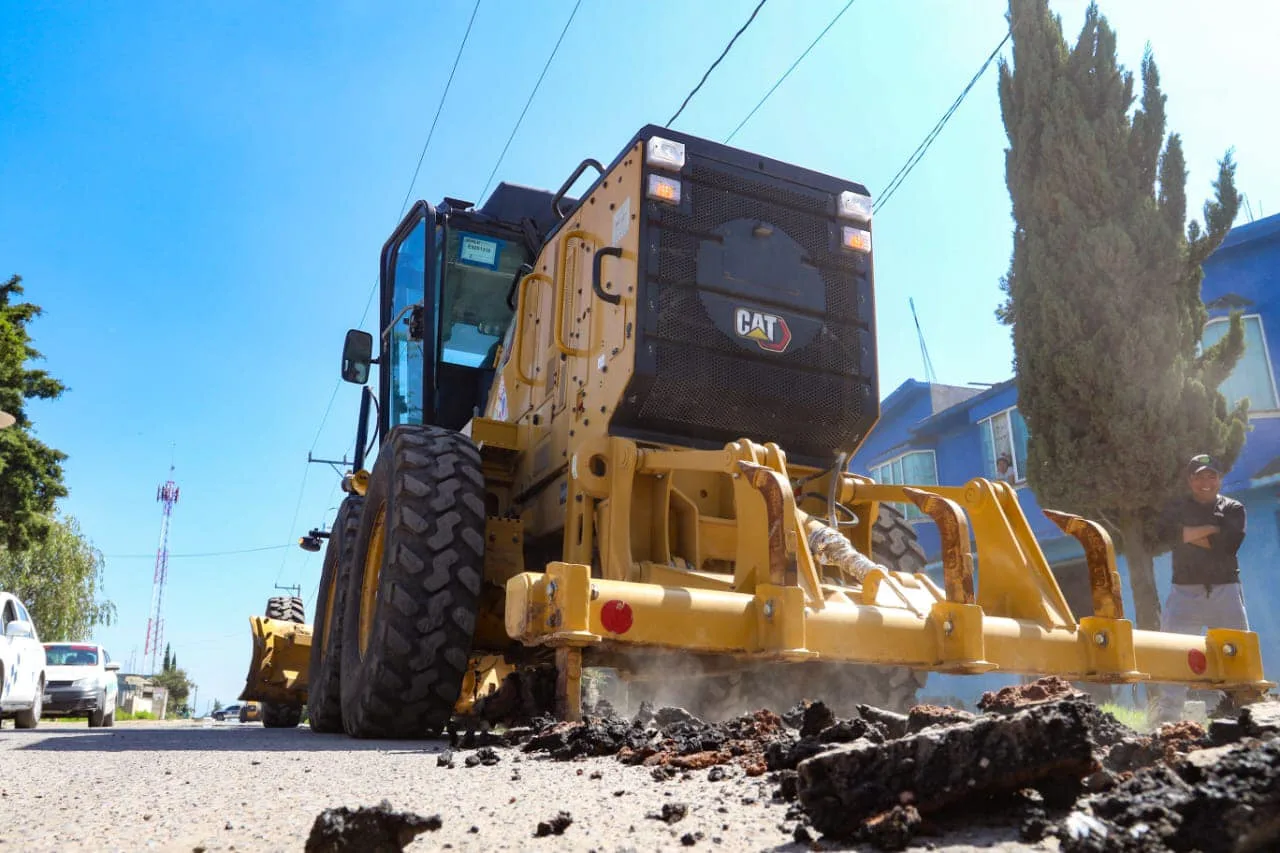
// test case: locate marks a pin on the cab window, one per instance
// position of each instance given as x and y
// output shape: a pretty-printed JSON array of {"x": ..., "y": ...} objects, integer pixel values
[
  {"x": 478, "y": 270},
  {"x": 404, "y": 355}
]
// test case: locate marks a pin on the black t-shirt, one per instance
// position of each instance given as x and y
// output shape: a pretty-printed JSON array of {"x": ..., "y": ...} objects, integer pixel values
[{"x": 1193, "y": 564}]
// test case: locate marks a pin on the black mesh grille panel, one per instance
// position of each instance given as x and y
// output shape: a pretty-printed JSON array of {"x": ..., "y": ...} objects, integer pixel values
[{"x": 695, "y": 378}]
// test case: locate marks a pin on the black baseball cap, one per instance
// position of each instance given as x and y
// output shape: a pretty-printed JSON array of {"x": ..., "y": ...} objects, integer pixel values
[{"x": 1203, "y": 462}]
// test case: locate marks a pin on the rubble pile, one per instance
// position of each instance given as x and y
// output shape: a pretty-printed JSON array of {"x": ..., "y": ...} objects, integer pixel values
[
  {"x": 1209, "y": 798},
  {"x": 1040, "y": 758},
  {"x": 668, "y": 738}
]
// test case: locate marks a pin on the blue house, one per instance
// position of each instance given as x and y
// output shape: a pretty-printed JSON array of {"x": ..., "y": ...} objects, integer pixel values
[{"x": 930, "y": 433}]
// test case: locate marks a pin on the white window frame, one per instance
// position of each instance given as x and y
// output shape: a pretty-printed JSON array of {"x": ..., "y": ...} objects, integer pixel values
[
  {"x": 1019, "y": 476},
  {"x": 910, "y": 512},
  {"x": 1274, "y": 411}
]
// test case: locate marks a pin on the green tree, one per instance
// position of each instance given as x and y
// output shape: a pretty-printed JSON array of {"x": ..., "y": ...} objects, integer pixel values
[
  {"x": 30, "y": 471},
  {"x": 59, "y": 579},
  {"x": 177, "y": 685},
  {"x": 164, "y": 665},
  {"x": 1103, "y": 290}
]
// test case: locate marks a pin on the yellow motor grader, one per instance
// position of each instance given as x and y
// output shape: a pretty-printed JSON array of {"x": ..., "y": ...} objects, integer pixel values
[{"x": 613, "y": 431}]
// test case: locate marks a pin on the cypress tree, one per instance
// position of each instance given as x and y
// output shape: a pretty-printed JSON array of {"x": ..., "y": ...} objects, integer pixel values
[{"x": 1103, "y": 289}]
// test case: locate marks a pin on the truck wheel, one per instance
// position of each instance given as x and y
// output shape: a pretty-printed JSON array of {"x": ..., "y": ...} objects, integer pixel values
[
  {"x": 286, "y": 608},
  {"x": 324, "y": 685},
  {"x": 414, "y": 590}
]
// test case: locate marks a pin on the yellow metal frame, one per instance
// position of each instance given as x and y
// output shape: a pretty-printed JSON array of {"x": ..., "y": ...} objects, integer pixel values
[
  {"x": 281, "y": 655},
  {"x": 777, "y": 604}
]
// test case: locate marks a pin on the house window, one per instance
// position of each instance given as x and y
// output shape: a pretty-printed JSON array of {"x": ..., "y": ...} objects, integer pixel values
[
  {"x": 915, "y": 468},
  {"x": 1004, "y": 446},
  {"x": 1252, "y": 376}
]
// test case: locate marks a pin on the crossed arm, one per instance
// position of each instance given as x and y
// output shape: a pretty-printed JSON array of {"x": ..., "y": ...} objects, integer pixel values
[{"x": 1226, "y": 539}]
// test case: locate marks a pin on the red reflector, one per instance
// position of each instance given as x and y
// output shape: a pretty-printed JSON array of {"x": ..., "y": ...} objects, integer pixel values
[
  {"x": 1197, "y": 661},
  {"x": 616, "y": 616}
]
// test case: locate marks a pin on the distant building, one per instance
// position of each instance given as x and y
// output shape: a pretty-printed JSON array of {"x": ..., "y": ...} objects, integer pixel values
[
  {"x": 138, "y": 694},
  {"x": 930, "y": 433}
]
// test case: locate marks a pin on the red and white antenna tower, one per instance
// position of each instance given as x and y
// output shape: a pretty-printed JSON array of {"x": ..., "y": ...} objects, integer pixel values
[{"x": 167, "y": 495}]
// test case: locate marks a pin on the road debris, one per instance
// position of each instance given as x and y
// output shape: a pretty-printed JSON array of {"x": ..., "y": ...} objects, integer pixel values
[
  {"x": 556, "y": 826},
  {"x": 943, "y": 765},
  {"x": 375, "y": 829}
]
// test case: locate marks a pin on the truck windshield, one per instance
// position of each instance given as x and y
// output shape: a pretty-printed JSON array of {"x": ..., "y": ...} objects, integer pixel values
[{"x": 478, "y": 270}]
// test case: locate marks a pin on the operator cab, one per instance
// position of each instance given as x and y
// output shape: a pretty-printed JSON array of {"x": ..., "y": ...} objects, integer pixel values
[{"x": 447, "y": 279}]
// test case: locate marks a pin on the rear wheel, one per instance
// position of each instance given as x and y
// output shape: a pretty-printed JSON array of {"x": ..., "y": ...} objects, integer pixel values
[
  {"x": 324, "y": 687},
  {"x": 286, "y": 608},
  {"x": 414, "y": 589}
]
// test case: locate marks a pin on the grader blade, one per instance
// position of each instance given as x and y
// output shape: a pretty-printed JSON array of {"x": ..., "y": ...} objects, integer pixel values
[{"x": 281, "y": 656}]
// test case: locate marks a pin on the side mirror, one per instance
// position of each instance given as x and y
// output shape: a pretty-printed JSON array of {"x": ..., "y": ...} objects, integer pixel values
[
  {"x": 112, "y": 667},
  {"x": 357, "y": 355},
  {"x": 20, "y": 628}
]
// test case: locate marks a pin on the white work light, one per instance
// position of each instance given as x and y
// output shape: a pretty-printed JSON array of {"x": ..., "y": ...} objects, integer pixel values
[
  {"x": 855, "y": 206},
  {"x": 664, "y": 154}
]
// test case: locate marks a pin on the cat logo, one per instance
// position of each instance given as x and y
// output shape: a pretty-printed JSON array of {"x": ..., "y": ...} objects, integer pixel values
[{"x": 769, "y": 331}]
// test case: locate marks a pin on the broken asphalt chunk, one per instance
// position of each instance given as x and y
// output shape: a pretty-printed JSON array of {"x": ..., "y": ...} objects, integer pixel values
[
  {"x": 942, "y": 766},
  {"x": 376, "y": 829}
]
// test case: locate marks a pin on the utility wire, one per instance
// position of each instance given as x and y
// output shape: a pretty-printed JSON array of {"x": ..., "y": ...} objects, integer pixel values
[
  {"x": 722, "y": 55},
  {"x": 374, "y": 289},
  {"x": 811, "y": 46},
  {"x": 924, "y": 146},
  {"x": 189, "y": 556},
  {"x": 429, "y": 135},
  {"x": 554, "y": 51}
]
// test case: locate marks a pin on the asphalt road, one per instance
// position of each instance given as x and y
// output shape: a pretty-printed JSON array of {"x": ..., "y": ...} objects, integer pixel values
[{"x": 191, "y": 786}]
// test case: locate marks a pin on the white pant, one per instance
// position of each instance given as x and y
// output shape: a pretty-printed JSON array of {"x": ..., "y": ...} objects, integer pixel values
[{"x": 1190, "y": 610}]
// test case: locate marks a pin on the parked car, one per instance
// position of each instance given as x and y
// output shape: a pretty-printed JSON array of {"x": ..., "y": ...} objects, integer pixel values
[
  {"x": 81, "y": 682},
  {"x": 229, "y": 711},
  {"x": 22, "y": 667}
]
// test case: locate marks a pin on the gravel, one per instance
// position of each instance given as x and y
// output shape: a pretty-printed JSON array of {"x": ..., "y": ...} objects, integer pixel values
[{"x": 193, "y": 786}]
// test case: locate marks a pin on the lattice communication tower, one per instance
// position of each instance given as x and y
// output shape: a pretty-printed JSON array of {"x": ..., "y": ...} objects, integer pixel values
[{"x": 167, "y": 496}]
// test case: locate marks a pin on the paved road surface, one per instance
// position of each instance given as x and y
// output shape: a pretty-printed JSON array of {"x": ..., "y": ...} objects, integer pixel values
[{"x": 188, "y": 786}]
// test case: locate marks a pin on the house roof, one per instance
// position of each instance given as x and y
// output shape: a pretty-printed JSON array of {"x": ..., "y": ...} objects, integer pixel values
[
  {"x": 1261, "y": 229},
  {"x": 942, "y": 419}
]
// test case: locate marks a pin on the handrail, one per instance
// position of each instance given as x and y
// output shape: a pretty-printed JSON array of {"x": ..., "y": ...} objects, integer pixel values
[
  {"x": 522, "y": 304},
  {"x": 562, "y": 291}
]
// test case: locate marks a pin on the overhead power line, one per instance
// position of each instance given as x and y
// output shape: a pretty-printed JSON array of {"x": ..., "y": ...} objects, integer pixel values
[
  {"x": 722, "y": 55},
  {"x": 430, "y": 133},
  {"x": 545, "y": 66},
  {"x": 191, "y": 556},
  {"x": 779, "y": 81},
  {"x": 374, "y": 289},
  {"x": 924, "y": 146}
]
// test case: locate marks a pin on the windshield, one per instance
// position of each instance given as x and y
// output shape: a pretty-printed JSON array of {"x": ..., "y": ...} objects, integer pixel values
[
  {"x": 478, "y": 270},
  {"x": 70, "y": 655}
]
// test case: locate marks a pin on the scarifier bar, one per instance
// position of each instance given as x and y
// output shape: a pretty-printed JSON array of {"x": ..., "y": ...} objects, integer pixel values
[{"x": 776, "y": 605}]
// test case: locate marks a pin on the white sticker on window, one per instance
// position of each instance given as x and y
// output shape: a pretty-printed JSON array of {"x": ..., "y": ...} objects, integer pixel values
[
  {"x": 621, "y": 222},
  {"x": 477, "y": 251}
]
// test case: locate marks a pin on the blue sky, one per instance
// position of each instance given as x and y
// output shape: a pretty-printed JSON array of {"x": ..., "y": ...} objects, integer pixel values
[{"x": 197, "y": 194}]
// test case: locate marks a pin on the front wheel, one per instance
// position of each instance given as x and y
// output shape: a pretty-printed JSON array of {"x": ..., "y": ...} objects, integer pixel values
[
  {"x": 30, "y": 718},
  {"x": 413, "y": 595},
  {"x": 286, "y": 608}
]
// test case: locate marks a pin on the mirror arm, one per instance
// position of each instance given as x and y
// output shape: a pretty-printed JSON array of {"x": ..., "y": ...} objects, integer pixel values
[{"x": 396, "y": 319}]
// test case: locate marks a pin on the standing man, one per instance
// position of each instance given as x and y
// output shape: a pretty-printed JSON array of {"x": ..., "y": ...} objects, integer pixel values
[{"x": 1205, "y": 530}]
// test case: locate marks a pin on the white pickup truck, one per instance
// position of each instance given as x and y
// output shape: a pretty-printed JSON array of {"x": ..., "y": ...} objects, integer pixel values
[{"x": 22, "y": 667}]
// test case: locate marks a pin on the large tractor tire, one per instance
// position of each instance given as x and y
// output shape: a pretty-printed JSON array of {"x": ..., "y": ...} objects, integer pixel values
[
  {"x": 286, "y": 608},
  {"x": 413, "y": 595},
  {"x": 324, "y": 679}
]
